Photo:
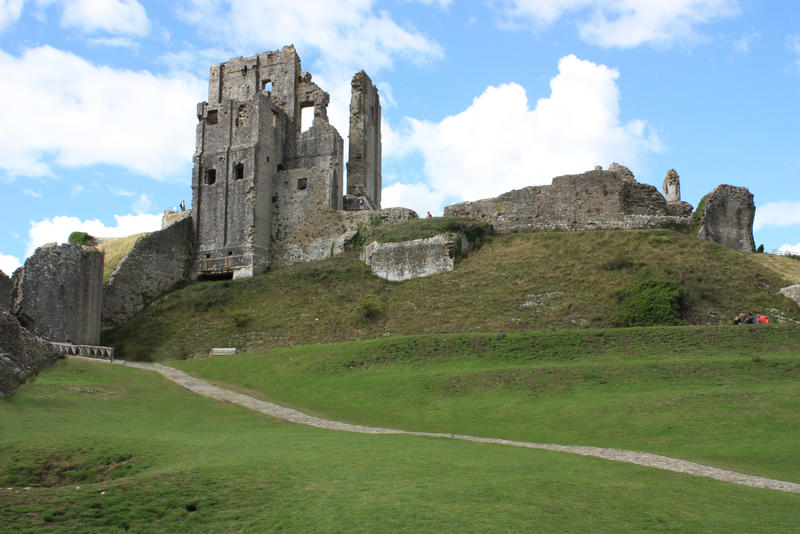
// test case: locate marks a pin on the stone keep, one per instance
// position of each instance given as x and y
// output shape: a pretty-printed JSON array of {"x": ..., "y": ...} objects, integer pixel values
[
  {"x": 671, "y": 186},
  {"x": 58, "y": 294},
  {"x": 255, "y": 162}
]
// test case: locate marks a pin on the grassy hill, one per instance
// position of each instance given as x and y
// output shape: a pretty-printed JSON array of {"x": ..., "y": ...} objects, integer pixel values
[
  {"x": 90, "y": 447},
  {"x": 512, "y": 283},
  {"x": 116, "y": 249}
]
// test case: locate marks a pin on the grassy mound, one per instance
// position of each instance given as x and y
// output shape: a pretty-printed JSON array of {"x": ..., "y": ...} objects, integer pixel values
[
  {"x": 116, "y": 249},
  {"x": 512, "y": 283}
]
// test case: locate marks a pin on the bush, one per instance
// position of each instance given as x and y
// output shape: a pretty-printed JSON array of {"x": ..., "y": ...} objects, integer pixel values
[
  {"x": 651, "y": 302},
  {"x": 241, "y": 318},
  {"x": 79, "y": 238},
  {"x": 369, "y": 310},
  {"x": 617, "y": 263}
]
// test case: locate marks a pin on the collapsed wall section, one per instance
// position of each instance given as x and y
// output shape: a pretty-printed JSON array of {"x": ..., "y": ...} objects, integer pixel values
[
  {"x": 58, "y": 294},
  {"x": 595, "y": 199},
  {"x": 728, "y": 218},
  {"x": 155, "y": 264}
]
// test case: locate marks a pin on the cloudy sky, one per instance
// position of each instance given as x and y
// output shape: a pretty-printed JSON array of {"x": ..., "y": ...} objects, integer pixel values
[{"x": 479, "y": 97}]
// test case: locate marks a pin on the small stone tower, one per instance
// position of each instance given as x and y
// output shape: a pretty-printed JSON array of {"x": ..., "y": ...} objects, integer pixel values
[
  {"x": 364, "y": 159},
  {"x": 671, "y": 187}
]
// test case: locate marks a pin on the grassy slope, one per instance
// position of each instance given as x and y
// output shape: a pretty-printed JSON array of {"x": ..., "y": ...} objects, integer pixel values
[
  {"x": 513, "y": 283},
  {"x": 116, "y": 249},
  {"x": 786, "y": 266},
  {"x": 721, "y": 395},
  {"x": 107, "y": 448}
]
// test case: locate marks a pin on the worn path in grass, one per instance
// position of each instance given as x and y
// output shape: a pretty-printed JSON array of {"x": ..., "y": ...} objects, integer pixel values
[{"x": 202, "y": 387}]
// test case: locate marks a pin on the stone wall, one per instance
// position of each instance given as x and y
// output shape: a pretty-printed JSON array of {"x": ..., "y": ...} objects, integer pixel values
[
  {"x": 58, "y": 294},
  {"x": 21, "y": 354},
  {"x": 5, "y": 291},
  {"x": 416, "y": 258},
  {"x": 728, "y": 218},
  {"x": 610, "y": 199},
  {"x": 303, "y": 235},
  {"x": 155, "y": 264},
  {"x": 792, "y": 292}
]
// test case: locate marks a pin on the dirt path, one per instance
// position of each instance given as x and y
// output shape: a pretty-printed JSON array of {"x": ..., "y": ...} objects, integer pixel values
[{"x": 202, "y": 387}]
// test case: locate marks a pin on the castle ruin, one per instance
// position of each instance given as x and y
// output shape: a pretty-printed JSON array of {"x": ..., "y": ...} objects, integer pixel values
[{"x": 257, "y": 166}]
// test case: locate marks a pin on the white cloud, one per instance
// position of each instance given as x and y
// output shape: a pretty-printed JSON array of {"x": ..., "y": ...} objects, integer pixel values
[
  {"x": 10, "y": 11},
  {"x": 623, "y": 23},
  {"x": 417, "y": 196},
  {"x": 783, "y": 213},
  {"x": 742, "y": 45},
  {"x": 499, "y": 143},
  {"x": 793, "y": 44},
  {"x": 345, "y": 34},
  {"x": 80, "y": 114},
  {"x": 115, "y": 42},
  {"x": 57, "y": 229},
  {"x": 142, "y": 204},
  {"x": 32, "y": 193},
  {"x": 441, "y": 3},
  {"x": 114, "y": 16},
  {"x": 9, "y": 264},
  {"x": 790, "y": 249}
]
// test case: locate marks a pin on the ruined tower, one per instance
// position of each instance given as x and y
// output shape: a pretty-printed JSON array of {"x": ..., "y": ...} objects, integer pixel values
[
  {"x": 258, "y": 168},
  {"x": 364, "y": 159},
  {"x": 671, "y": 187}
]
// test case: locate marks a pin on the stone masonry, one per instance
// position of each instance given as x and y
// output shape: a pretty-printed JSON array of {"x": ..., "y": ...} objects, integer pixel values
[
  {"x": 58, "y": 293},
  {"x": 610, "y": 199},
  {"x": 364, "y": 160},
  {"x": 21, "y": 354},
  {"x": 728, "y": 218},
  {"x": 155, "y": 264},
  {"x": 416, "y": 258},
  {"x": 256, "y": 166},
  {"x": 5, "y": 291}
]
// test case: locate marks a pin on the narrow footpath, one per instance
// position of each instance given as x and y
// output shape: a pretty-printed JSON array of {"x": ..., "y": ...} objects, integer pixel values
[{"x": 202, "y": 387}]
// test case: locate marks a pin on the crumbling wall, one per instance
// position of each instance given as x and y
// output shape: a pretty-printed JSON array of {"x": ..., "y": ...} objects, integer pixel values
[
  {"x": 595, "y": 199},
  {"x": 58, "y": 294},
  {"x": 364, "y": 159},
  {"x": 155, "y": 264},
  {"x": 5, "y": 291},
  {"x": 21, "y": 354},
  {"x": 728, "y": 218},
  {"x": 416, "y": 258},
  {"x": 171, "y": 217}
]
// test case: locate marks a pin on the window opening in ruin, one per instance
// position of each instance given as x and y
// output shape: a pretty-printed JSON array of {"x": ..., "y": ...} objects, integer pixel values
[
  {"x": 241, "y": 114},
  {"x": 211, "y": 117},
  {"x": 208, "y": 256},
  {"x": 306, "y": 118},
  {"x": 238, "y": 171},
  {"x": 268, "y": 85},
  {"x": 230, "y": 253},
  {"x": 302, "y": 183},
  {"x": 211, "y": 176}
]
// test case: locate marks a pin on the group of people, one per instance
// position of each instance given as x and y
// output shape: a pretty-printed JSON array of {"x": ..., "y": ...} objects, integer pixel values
[{"x": 749, "y": 318}]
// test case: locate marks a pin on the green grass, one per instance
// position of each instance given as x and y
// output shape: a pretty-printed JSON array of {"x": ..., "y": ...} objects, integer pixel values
[
  {"x": 115, "y": 250},
  {"x": 512, "y": 283},
  {"x": 721, "y": 395},
  {"x": 429, "y": 227},
  {"x": 107, "y": 448}
]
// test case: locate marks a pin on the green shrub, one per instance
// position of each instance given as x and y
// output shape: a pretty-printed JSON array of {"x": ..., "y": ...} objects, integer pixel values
[
  {"x": 651, "y": 302},
  {"x": 79, "y": 238},
  {"x": 369, "y": 310},
  {"x": 700, "y": 210},
  {"x": 617, "y": 263},
  {"x": 241, "y": 318}
]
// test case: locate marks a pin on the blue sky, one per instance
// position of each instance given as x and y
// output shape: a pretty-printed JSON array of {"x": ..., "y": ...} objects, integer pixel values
[{"x": 479, "y": 97}]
